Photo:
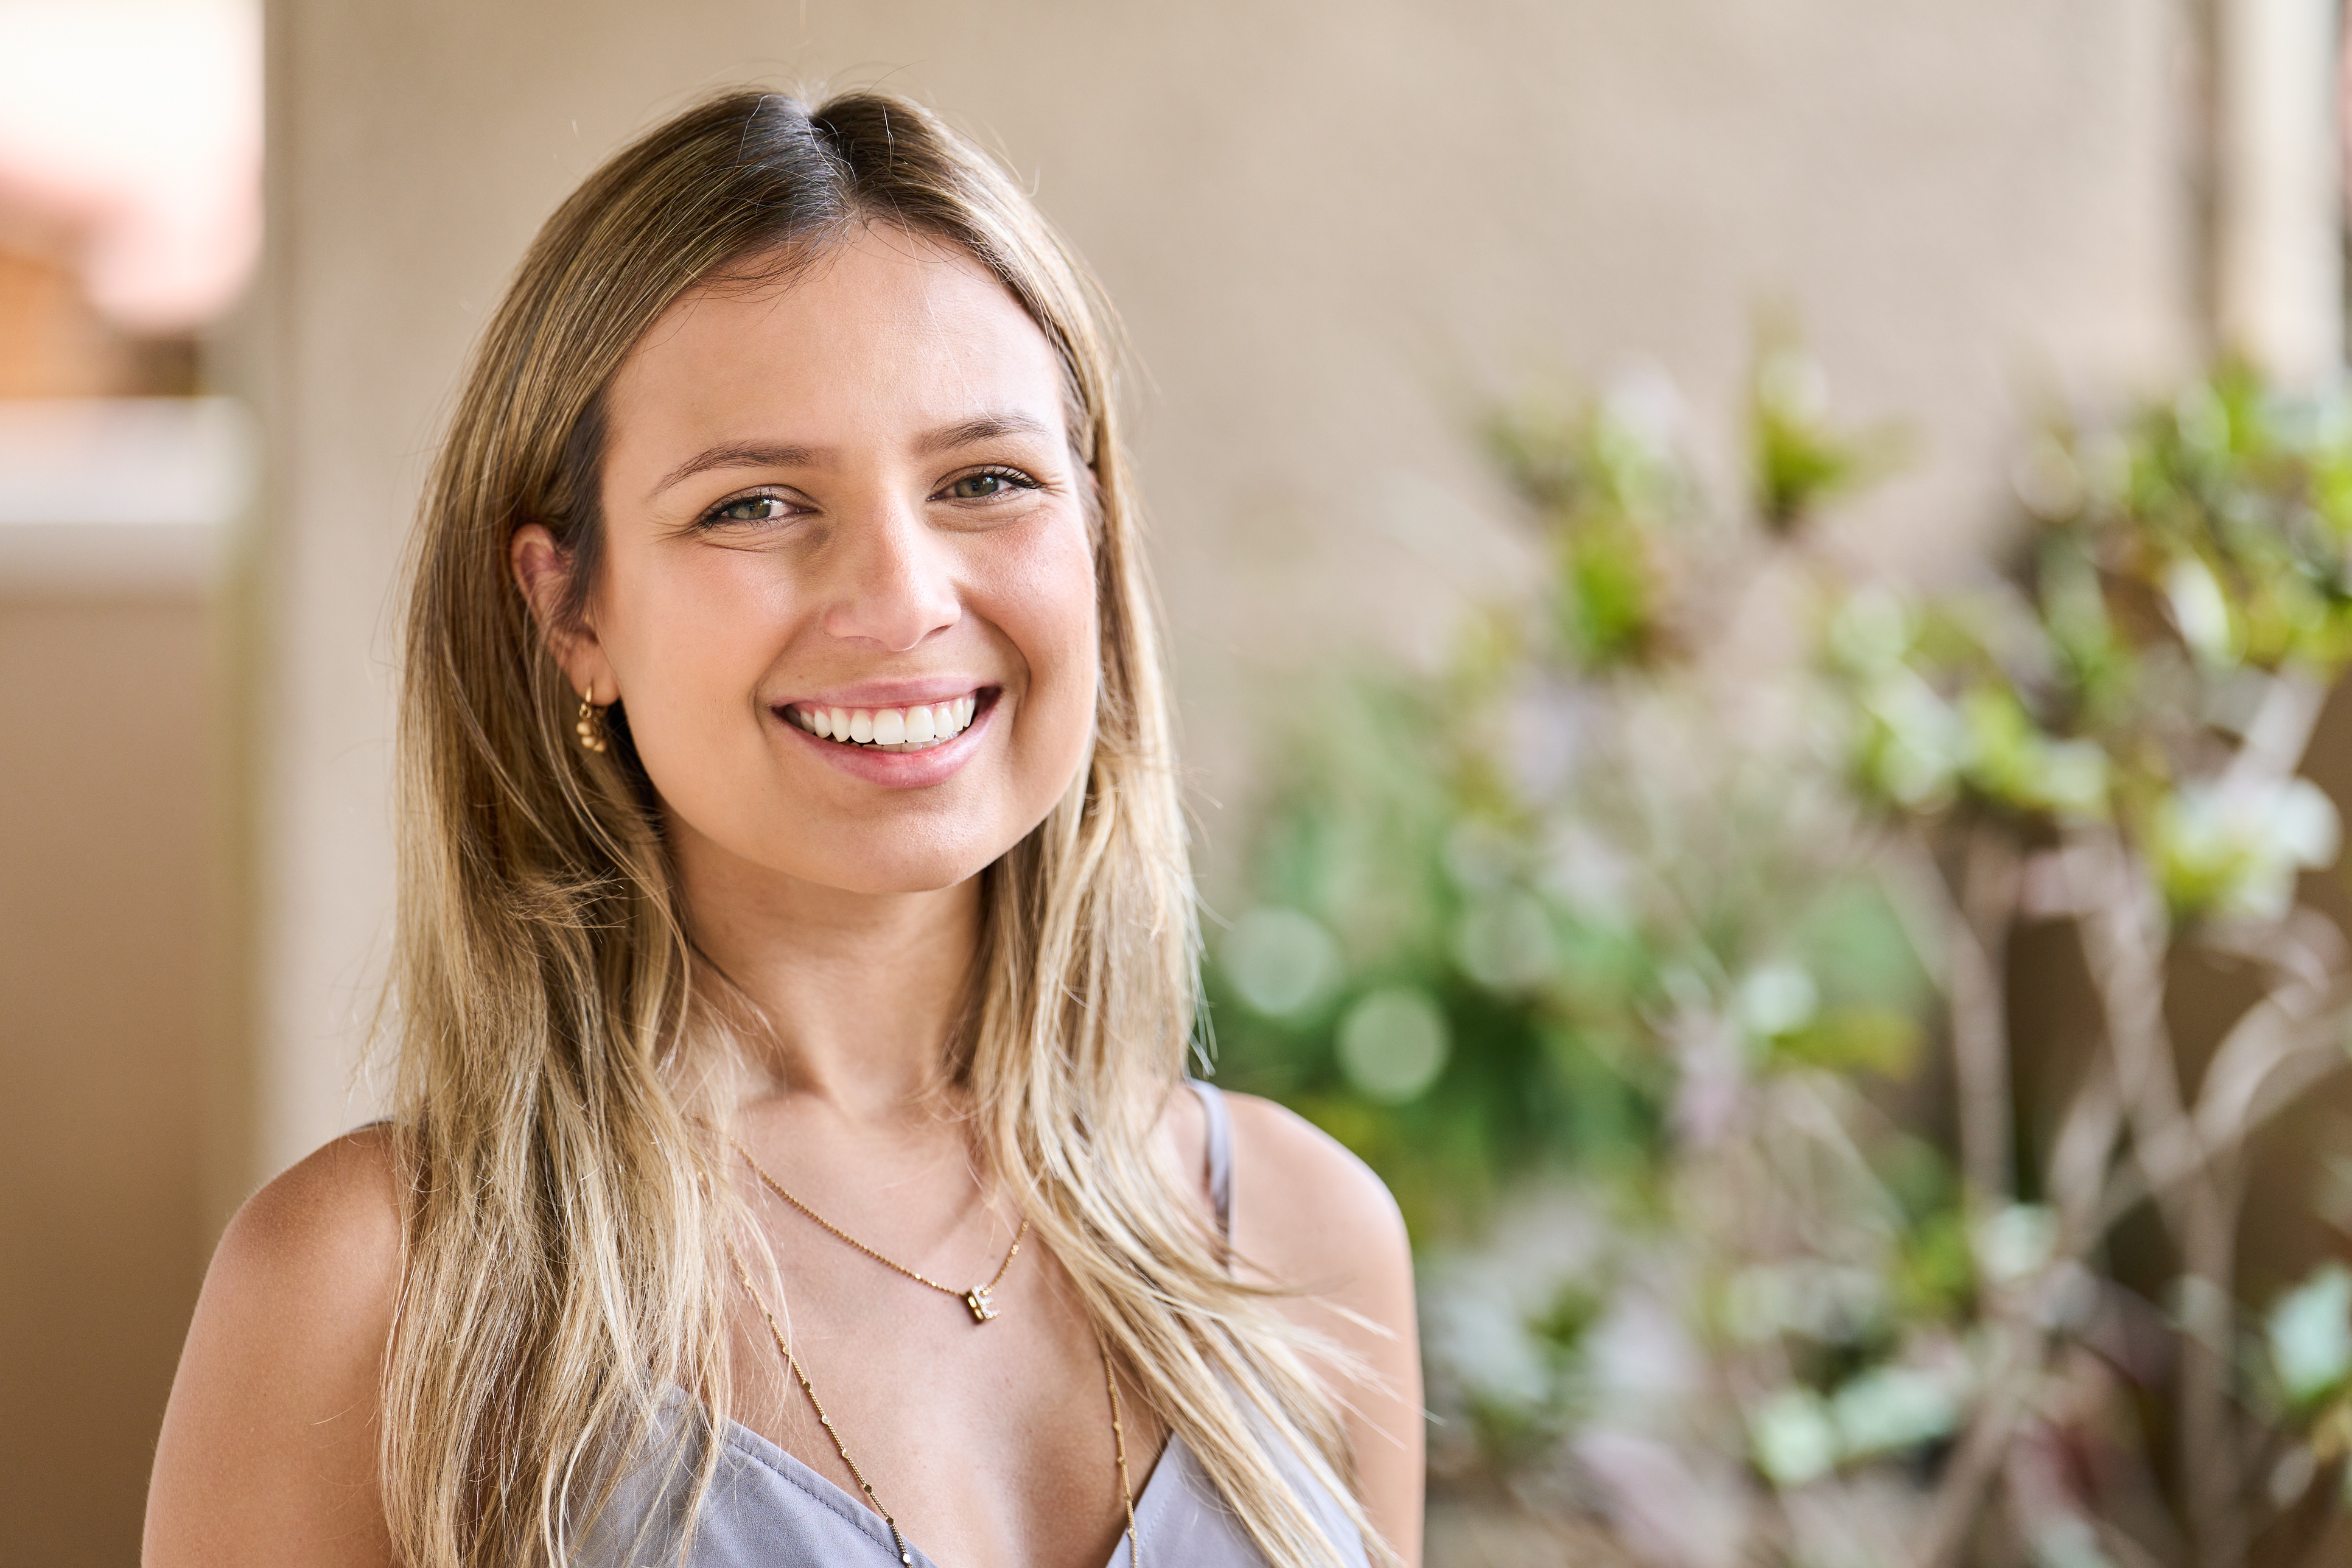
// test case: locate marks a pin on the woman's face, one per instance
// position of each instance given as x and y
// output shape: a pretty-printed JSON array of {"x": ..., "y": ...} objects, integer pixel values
[{"x": 847, "y": 595}]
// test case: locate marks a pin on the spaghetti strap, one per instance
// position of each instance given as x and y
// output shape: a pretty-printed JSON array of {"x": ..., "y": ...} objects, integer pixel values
[{"x": 1221, "y": 1154}]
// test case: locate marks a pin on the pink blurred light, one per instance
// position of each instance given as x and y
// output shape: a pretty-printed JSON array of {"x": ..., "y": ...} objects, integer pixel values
[{"x": 134, "y": 126}]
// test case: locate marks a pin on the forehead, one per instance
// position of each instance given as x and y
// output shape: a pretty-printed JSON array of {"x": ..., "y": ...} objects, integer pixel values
[{"x": 879, "y": 336}]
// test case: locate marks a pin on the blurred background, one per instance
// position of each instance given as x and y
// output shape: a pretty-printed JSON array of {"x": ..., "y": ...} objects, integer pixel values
[{"x": 1822, "y": 410}]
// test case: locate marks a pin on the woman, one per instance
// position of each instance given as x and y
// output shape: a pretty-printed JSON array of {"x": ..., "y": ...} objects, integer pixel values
[{"x": 796, "y": 960}]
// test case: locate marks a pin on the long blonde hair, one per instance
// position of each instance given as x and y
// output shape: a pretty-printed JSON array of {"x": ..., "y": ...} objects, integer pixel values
[{"x": 567, "y": 1216}]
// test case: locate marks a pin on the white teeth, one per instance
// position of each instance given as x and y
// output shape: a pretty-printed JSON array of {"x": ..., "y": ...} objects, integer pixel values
[{"x": 898, "y": 729}]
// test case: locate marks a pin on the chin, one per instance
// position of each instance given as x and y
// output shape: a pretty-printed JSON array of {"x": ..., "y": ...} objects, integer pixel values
[
  {"x": 879, "y": 882},
  {"x": 881, "y": 871}
]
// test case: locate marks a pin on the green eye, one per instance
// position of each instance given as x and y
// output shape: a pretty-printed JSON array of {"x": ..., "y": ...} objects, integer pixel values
[
  {"x": 749, "y": 509},
  {"x": 989, "y": 484}
]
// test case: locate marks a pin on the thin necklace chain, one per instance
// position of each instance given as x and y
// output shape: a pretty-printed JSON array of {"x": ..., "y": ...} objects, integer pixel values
[
  {"x": 1118, "y": 1442},
  {"x": 785, "y": 1348},
  {"x": 976, "y": 1301},
  {"x": 898, "y": 1540}
]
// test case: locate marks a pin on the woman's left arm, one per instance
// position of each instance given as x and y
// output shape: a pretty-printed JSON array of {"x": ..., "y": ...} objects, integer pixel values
[{"x": 1310, "y": 1214}]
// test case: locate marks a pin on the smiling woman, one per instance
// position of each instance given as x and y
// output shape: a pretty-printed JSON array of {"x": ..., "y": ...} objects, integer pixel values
[
  {"x": 871, "y": 542},
  {"x": 793, "y": 1161}
]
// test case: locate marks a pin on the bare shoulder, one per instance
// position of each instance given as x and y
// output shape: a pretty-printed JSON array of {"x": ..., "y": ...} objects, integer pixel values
[
  {"x": 1305, "y": 1210},
  {"x": 1322, "y": 1198},
  {"x": 268, "y": 1452},
  {"x": 1314, "y": 1218},
  {"x": 331, "y": 1221},
  {"x": 313, "y": 1258}
]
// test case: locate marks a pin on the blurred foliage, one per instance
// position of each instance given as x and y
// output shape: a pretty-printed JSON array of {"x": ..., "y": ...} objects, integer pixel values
[
  {"x": 2177, "y": 569},
  {"x": 1628, "y": 950},
  {"x": 1800, "y": 461}
]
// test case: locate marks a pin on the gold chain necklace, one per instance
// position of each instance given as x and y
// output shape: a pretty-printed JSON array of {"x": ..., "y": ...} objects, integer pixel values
[
  {"x": 976, "y": 1300},
  {"x": 808, "y": 1390}
]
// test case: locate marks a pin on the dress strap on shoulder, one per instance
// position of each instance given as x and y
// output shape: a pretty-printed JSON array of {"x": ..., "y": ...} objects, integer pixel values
[{"x": 1221, "y": 1154}]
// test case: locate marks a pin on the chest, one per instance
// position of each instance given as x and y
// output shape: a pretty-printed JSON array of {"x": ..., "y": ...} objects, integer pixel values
[{"x": 989, "y": 1441}]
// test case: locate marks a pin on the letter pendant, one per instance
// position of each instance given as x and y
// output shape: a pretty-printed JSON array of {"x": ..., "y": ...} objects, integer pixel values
[{"x": 983, "y": 1308}]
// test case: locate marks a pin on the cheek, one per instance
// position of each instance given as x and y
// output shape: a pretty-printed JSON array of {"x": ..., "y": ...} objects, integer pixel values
[
  {"x": 691, "y": 643},
  {"x": 1052, "y": 617}
]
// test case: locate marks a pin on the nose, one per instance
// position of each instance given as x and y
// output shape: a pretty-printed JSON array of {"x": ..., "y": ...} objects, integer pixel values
[{"x": 895, "y": 587}]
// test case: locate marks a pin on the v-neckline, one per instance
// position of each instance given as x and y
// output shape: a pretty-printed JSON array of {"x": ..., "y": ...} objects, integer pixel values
[{"x": 776, "y": 1457}]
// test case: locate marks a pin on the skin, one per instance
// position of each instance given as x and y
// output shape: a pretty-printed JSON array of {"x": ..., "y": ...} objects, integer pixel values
[{"x": 887, "y": 508}]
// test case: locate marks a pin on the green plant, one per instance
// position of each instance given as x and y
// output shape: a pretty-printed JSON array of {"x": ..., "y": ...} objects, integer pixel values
[{"x": 1619, "y": 952}]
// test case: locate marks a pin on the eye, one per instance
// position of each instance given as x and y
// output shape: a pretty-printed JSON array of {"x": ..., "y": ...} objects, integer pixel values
[
  {"x": 987, "y": 484},
  {"x": 748, "y": 509}
]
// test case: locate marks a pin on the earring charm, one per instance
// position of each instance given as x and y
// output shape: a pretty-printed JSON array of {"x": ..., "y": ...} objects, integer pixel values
[{"x": 589, "y": 726}]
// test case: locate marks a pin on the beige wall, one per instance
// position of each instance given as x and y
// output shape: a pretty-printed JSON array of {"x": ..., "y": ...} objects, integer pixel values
[
  {"x": 1334, "y": 228},
  {"x": 105, "y": 930}
]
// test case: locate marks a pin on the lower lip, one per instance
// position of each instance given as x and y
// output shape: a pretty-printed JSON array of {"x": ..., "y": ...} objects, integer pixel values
[{"x": 902, "y": 770}]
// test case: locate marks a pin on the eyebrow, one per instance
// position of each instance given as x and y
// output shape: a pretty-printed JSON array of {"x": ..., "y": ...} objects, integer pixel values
[
  {"x": 770, "y": 455},
  {"x": 738, "y": 455},
  {"x": 987, "y": 427}
]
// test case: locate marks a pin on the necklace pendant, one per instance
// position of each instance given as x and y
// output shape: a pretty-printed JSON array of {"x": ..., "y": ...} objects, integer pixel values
[{"x": 983, "y": 1308}]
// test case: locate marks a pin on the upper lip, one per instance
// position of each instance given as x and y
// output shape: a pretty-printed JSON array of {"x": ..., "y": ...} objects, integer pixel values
[{"x": 892, "y": 693}]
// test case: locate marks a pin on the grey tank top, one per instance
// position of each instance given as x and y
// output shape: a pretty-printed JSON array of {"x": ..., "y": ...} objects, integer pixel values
[{"x": 767, "y": 1508}]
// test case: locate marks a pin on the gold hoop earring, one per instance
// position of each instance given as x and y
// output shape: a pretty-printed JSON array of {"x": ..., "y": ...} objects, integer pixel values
[{"x": 590, "y": 725}]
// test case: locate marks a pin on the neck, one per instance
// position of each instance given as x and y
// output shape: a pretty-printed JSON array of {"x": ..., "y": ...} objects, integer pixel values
[{"x": 851, "y": 994}]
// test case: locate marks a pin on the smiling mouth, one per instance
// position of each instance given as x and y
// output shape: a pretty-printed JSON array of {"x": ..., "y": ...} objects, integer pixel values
[{"x": 916, "y": 728}]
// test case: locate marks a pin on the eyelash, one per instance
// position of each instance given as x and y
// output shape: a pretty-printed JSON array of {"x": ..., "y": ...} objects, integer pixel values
[
  {"x": 1012, "y": 477},
  {"x": 714, "y": 518}
]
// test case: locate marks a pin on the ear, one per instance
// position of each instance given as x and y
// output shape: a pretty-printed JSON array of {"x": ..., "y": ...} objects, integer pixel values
[{"x": 543, "y": 572}]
